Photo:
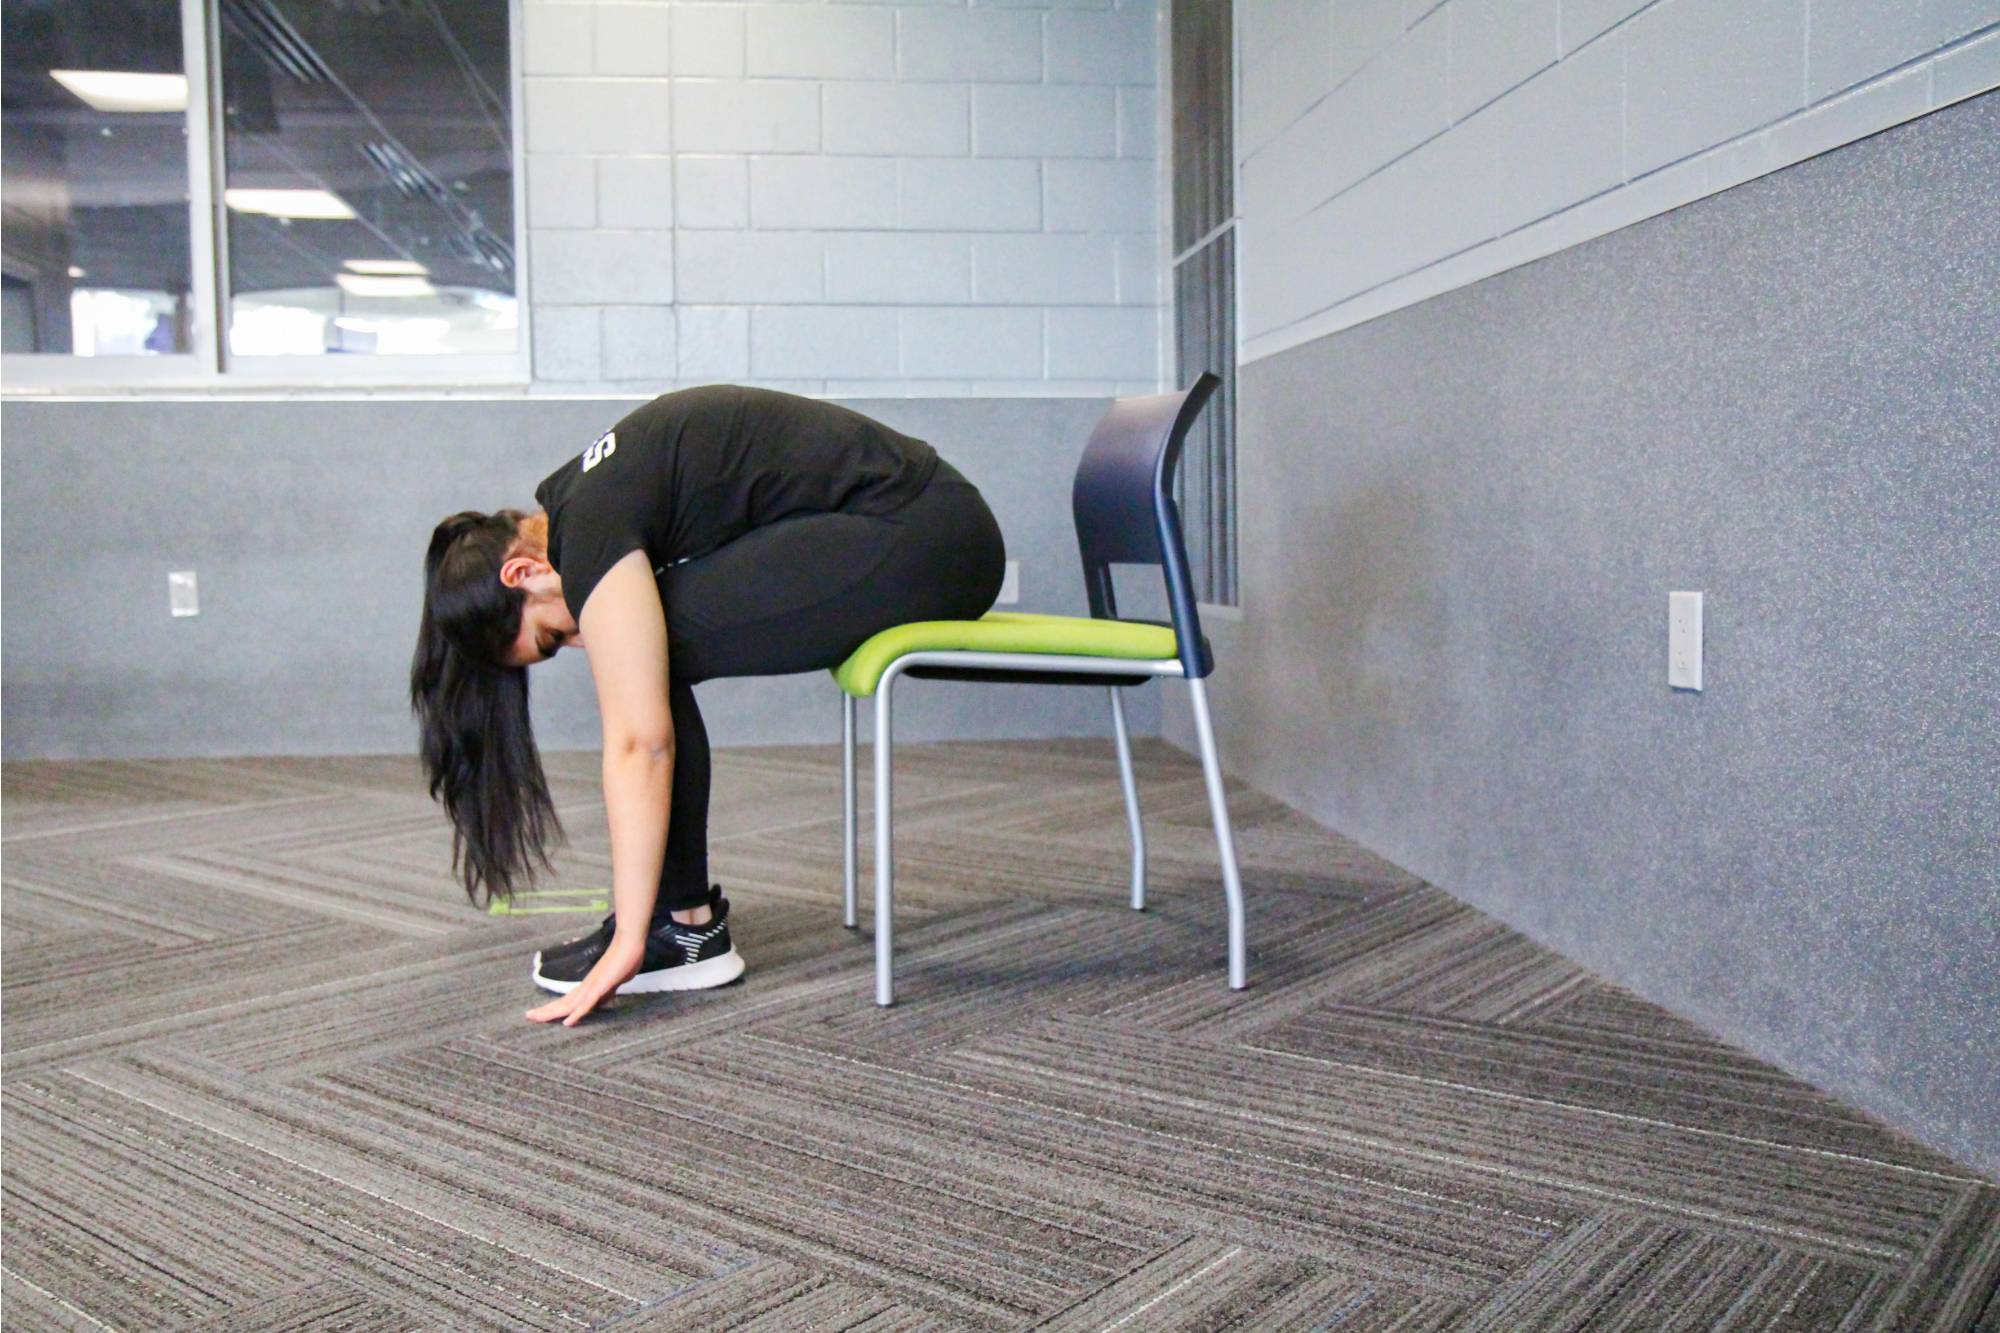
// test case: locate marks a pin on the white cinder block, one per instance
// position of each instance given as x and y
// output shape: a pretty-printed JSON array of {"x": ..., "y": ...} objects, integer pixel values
[
  {"x": 1086, "y": 195},
  {"x": 746, "y": 115},
  {"x": 972, "y": 341},
  {"x": 1363, "y": 29},
  {"x": 902, "y": 388},
  {"x": 1699, "y": 72},
  {"x": 632, "y": 39},
  {"x": 712, "y": 343},
  {"x": 1139, "y": 261},
  {"x": 562, "y": 191},
  {"x": 805, "y": 193},
  {"x": 1109, "y": 342},
  {"x": 565, "y": 342},
  {"x": 1138, "y": 122},
  {"x": 1557, "y": 138},
  {"x": 1387, "y": 109},
  {"x": 555, "y": 38},
  {"x": 807, "y": 41},
  {"x": 1044, "y": 269},
  {"x": 811, "y": 388},
  {"x": 601, "y": 267},
  {"x": 946, "y": 194},
  {"x": 1495, "y": 45},
  {"x": 1583, "y": 20},
  {"x": 993, "y": 46},
  {"x": 1044, "y": 120},
  {"x": 707, "y": 39},
  {"x": 1115, "y": 47},
  {"x": 1440, "y": 197},
  {"x": 1854, "y": 40},
  {"x": 1018, "y": 4},
  {"x": 1049, "y": 387},
  {"x": 1288, "y": 77},
  {"x": 922, "y": 119},
  {"x": 739, "y": 267},
  {"x": 1424, "y": 206},
  {"x": 711, "y": 191},
  {"x": 1264, "y": 246},
  {"x": 635, "y": 192},
  {"x": 1259, "y": 23},
  {"x": 597, "y": 116},
  {"x": 857, "y": 342},
  {"x": 638, "y": 343},
  {"x": 906, "y": 268}
]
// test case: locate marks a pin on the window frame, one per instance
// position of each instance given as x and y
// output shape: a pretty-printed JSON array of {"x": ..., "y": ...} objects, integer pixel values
[
  {"x": 1232, "y": 610},
  {"x": 209, "y": 365}
]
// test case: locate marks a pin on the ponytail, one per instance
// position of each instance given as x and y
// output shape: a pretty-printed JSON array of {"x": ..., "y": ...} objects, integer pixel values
[{"x": 474, "y": 731}]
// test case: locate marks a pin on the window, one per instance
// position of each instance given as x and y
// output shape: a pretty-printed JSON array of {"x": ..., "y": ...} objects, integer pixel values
[
  {"x": 260, "y": 191},
  {"x": 96, "y": 259},
  {"x": 1204, "y": 265}
]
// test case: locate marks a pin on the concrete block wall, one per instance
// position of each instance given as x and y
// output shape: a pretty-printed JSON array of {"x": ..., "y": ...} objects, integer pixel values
[
  {"x": 844, "y": 198},
  {"x": 1389, "y": 150}
]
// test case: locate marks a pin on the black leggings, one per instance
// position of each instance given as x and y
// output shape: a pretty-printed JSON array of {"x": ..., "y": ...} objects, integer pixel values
[{"x": 800, "y": 595}]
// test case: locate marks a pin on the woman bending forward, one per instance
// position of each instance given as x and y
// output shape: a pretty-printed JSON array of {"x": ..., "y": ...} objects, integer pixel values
[{"x": 716, "y": 531}]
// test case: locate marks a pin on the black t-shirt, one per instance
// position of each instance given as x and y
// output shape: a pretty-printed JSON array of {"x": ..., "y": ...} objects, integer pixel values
[{"x": 699, "y": 467}]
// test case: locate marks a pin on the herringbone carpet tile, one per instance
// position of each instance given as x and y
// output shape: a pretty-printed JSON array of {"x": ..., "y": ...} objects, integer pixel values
[{"x": 266, "y": 1069}]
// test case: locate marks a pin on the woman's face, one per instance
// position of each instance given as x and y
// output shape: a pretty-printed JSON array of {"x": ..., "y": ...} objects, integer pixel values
[{"x": 546, "y": 624}]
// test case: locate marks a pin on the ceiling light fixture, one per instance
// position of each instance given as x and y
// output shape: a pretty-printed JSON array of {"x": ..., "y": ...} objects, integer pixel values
[
  {"x": 365, "y": 284},
  {"x": 118, "y": 91},
  {"x": 401, "y": 268},
  {"x": 318, "y": 204}
]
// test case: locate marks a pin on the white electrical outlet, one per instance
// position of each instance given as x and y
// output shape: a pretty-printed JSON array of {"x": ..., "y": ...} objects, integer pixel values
[
  {"x": 1010, "y": 586},
  {"x": 183, "y": 598},
  {"x": 1684, "y": 640}
]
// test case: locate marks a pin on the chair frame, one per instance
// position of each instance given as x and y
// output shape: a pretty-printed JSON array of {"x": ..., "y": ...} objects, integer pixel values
[{"x": 1192, "y": 664}]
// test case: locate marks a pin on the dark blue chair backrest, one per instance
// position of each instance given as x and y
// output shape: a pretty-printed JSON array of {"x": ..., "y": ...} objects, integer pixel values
[{"x": 1123, "y": 501}]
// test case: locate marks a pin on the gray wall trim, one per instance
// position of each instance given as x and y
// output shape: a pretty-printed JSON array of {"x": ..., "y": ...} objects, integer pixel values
[
  {"x": 306, "y": 522},
  {"x": 1460, "y": 524}
]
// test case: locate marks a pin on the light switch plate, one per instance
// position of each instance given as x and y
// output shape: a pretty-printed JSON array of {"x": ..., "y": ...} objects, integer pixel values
[
  {"x": 183, "y": 597},
  {"x": 1684, "y": 640}
]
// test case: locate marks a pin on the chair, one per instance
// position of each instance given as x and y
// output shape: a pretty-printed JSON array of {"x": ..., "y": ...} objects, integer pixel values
[{"x": 1125, "y": 514}]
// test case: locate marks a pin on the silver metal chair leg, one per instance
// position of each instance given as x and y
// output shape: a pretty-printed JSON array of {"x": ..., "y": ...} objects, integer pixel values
[
  {"x": 1131, "y": 783},
  {"x": 1225, "y": 841},
  {"x": 885, "y": 857},
  {"x": 848, "y": 830}
]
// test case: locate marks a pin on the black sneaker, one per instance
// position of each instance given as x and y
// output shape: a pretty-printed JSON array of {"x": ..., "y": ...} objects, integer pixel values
[
  {"x": 678, "y": 957},
  {"x": 600, "y": 939}
]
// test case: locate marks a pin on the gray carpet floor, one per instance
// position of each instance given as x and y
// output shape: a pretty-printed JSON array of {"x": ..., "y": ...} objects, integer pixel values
[{"x": 265, "y": 1068}]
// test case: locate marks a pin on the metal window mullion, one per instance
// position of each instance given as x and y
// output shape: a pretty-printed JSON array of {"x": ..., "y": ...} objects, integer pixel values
[
  {"x": 207, "y": 235},
  {"x": 1214, "y": 233},
  {"x": 517, "y": 83}
]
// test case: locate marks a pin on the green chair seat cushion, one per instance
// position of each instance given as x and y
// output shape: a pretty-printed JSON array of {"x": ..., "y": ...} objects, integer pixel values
[{"x": 1004, "y": 632}]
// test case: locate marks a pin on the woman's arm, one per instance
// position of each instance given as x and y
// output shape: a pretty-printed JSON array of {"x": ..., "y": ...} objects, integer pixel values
[{"x": 625, "y": 636}]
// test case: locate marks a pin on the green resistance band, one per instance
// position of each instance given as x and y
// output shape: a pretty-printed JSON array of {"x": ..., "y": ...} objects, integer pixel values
[{"x": 532, "y": 904}]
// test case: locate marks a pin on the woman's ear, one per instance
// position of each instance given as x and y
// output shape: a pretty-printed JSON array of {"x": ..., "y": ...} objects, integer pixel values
[{"x": 517, "y": 569}]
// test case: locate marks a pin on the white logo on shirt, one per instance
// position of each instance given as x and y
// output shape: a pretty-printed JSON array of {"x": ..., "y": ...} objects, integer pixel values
[{"x": 603, "y": 449}]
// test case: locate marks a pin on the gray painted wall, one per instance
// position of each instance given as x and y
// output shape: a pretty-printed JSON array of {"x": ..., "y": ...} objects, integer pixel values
[
  {"x": 1460, "y": 525},
  {"x": 306, "y": 522}
]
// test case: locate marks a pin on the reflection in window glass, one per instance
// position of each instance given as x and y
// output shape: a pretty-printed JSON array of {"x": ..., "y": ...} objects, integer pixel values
[
  {"x": 94, "y": 246},
  {"x": 369, "y": 190}
]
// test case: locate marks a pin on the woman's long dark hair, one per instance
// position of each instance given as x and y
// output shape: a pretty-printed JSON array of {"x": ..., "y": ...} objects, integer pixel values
[{"x": 472, "y": 709}]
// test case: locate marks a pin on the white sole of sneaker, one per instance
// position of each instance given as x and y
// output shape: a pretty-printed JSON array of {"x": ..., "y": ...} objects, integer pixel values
[{"x": 717, "y": 971}]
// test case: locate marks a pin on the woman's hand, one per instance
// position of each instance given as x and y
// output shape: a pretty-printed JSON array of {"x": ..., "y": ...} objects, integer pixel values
[{"x": 614, "y": 968}]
